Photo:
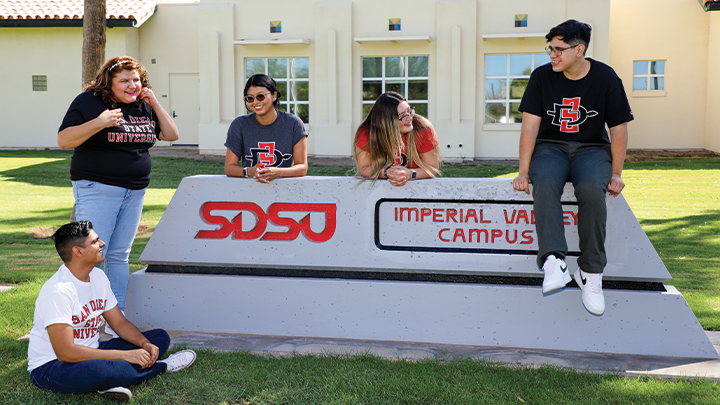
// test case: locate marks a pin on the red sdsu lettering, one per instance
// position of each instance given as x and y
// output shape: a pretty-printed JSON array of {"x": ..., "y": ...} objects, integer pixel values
[
  {"x": 235, "y": 227},
  {"x": 490, "y": 236}
]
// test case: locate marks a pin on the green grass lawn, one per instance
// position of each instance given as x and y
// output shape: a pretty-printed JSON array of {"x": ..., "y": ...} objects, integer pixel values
[{"x": 675, "y": 201}]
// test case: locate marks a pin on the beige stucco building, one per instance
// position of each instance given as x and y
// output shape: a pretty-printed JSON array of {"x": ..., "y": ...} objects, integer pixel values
[{"x": 463, "y": 63}]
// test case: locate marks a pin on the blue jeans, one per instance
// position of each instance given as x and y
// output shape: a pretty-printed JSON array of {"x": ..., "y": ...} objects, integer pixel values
[
  {"x": 98, "y": 375},
  {"x": 115, "y": 214},
  {"x": 589, "y": 168}
]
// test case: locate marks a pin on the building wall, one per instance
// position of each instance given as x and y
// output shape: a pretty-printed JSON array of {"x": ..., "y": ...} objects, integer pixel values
[
  {"x": 30, "y": 119},
  {"x": 712, "y": 120},
  {"x": 678, "y": 33},
  {"x": 211, "y": 41},
  {"x": 168, "y": 44}
]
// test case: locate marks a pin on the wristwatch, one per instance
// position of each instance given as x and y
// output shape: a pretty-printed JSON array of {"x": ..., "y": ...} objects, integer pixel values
[
  {"x": 414, "y": 175},
  {"x": 245, "y": 172}
]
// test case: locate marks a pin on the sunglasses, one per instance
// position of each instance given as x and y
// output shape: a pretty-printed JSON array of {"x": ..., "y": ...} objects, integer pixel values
[{"x": 260, "y": 97}]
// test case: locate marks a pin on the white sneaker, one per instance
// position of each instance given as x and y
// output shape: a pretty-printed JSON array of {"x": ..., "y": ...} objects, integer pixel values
[
  {"x": 556, "y": 274},
  {"x": 180, "y": 360},
  {"x": 119, "y": 394},
  {"x": 592, "y": 294}
]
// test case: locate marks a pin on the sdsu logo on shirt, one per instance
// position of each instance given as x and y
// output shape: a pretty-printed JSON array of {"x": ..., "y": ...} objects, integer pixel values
[
  {"x": 570, "y": 115},
  {"x": 267, "y": 154}
]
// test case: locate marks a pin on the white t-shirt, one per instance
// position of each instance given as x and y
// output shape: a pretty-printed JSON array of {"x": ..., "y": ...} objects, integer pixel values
[{"x": 65, "y": 299}]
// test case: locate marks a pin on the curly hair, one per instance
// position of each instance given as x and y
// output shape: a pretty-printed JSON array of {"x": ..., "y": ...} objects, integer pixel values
[{"x": 102, "y": 85}]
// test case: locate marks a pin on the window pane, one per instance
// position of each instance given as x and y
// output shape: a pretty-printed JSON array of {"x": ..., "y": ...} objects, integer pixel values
[
  {"x": 541, "y": 59},
  {"x": 421, "y": 109},
  {"x": 657, "y": 83},
  {"x": 300, "y": 68},
  {"x": 495, "y": 89},
  {"x": 640, "y": 68},
  {"x": 372, "y": 67},
  {"x": 282, "y": 89},
  {"x": 517, "y": 88},
  {"x": 303, "y": 91},
  {"x": 397, "y": 87},
  {"x": 520, "y": 65},
  {"x": 303, "y": 111},
  {"x": 515, "y": 115},
  {"x": 395, "y": 66},
  {"x": 417, "y": 90},
  {"x": 495, "y": 113},
  {"x": 418, "y": 66},
  {"x": 254, "y": 66},
  {"x": 277, "y": 68},
  {"x": 657, "y": 67},
  {"x": 495, "y": 65},
  {"x": 283, "y": 107},
  {"x": 366, "y": 109},
  {"x": 640, "y": 83},
  {"x": 372, "y": 90}
]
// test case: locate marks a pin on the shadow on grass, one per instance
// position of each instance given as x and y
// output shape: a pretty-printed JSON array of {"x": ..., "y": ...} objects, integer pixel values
[{"x": 166, "y": 173}]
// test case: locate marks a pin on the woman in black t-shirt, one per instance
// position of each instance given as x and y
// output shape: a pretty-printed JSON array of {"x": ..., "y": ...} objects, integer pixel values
[{"x": 111, "y": 126}]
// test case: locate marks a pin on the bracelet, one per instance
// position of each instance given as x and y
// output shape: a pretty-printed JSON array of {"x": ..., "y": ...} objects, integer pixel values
[
  {"x": 385, "y": 171},
  {"x": 245, "y": 173}
]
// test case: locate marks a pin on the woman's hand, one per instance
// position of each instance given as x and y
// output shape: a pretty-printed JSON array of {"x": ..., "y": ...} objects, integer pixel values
[
  {"x": 397, "y": 175},
  {"x": 266, "y": 174},
  {"x": 148, "y": 96},
  {"x": 111, "y": 118}
]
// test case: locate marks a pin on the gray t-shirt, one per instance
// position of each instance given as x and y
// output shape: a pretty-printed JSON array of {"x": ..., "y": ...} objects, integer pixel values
[{"x": 272, "y": 144}]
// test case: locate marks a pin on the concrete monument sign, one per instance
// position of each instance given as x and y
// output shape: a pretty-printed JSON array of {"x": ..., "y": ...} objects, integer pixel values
[{"x": 443, "y": 260}]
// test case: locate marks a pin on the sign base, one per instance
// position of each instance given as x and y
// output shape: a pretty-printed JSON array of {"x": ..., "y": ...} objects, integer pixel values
[{"x": 634, "y": 322}]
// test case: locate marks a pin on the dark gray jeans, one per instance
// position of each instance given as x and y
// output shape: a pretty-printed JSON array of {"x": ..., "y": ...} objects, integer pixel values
[{"x": 589, "y": 168}]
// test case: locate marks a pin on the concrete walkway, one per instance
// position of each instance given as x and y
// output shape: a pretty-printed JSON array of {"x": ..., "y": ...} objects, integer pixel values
[{"x": 628, "y": 365}]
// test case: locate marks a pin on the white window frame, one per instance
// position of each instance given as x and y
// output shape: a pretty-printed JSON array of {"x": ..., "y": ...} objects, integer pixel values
[
  {"x": 508, "y": 77},
  {"x": 646, "y": 92},
  {"x": 405, "y": 77}
]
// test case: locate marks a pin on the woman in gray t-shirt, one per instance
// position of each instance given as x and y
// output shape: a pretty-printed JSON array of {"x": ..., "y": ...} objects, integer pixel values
[{"x": 268, "y": 143}]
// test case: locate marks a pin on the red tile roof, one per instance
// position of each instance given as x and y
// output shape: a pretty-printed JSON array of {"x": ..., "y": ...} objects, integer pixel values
[{"x": 73, "y": 9}]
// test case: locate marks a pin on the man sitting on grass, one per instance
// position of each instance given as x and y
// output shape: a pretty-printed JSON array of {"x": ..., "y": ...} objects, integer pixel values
[{"x": 64, "y": 354}]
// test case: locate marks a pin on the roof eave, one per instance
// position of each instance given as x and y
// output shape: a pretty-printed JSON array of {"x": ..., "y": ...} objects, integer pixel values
[{"x": 56, "y": 22}]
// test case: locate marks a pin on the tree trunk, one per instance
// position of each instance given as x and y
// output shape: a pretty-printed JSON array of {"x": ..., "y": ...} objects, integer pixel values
[{"x": 93, "y": 54}]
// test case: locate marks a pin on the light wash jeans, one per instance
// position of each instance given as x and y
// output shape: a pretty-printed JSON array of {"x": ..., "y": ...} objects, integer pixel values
[
  {"x": 115, "y": 215},
  {"x": 589, "y": 168},
  {"x": 99, "y": 375}
]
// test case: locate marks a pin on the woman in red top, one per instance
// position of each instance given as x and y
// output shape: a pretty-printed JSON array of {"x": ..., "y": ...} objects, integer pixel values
[{"x": 395, "y": 144}]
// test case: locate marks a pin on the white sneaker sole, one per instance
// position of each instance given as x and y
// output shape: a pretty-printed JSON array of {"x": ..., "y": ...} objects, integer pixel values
[
  {"x": 597, "y": 310},
  {"x": 550, "y": 287}
]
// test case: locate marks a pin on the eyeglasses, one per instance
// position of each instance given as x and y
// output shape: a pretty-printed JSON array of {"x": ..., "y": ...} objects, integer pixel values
[
  {"x": 260, "y": 97},
  {"x": 410, "y": 115},
  {"x": 558, "y": 50}
]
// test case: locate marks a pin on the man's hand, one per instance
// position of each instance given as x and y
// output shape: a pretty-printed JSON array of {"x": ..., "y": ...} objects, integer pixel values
[
  {"x": 616, "y": 185},
  {"x": 141, "y": 357},
  {"x": 522, "y": 183},
  {"x": 153, "y": 350}
]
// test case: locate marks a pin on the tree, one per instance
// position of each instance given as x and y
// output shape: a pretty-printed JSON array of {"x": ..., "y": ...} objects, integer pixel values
[{"x": 93, "y": 54}]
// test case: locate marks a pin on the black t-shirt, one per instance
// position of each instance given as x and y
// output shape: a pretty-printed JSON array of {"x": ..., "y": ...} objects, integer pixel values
[
  {"x": 576, "y": 110},
  {"x": 117, "y": 156}
]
